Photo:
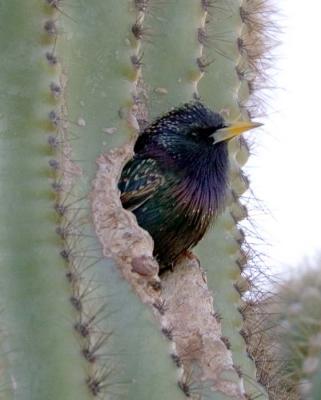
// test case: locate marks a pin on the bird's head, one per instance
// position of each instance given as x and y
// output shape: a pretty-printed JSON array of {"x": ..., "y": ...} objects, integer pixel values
[{"x": 189, "y": 132}]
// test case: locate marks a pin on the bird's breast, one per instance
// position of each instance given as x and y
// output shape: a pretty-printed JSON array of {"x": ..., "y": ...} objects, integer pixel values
[{"x": 196, "y": 199}]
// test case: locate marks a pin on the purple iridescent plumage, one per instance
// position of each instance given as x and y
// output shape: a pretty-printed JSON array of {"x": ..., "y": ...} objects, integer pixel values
[{"x": 177, "y": 180}]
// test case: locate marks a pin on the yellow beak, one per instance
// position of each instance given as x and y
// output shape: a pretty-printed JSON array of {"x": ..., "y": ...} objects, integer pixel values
[{"x": 234, "y": 130}]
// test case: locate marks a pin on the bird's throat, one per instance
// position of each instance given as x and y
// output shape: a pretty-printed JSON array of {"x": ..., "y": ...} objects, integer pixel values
[{"x": 203, "y": 187}]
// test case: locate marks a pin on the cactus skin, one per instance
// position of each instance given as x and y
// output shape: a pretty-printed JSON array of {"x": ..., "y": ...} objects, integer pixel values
[{"x": 79, "y": 92}]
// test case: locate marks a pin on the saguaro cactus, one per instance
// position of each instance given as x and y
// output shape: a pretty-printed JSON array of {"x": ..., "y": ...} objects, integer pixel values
[
  {"x": 290, "y": 343},
  {"x": 84, "y": 312}
]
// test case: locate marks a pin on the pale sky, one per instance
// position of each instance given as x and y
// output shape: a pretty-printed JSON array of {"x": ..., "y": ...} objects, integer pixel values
[{"x": 286, "y": 170}]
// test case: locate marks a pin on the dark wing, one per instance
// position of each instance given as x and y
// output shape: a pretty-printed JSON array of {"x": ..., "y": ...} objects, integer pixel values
[{"x": 139, "y": 180}]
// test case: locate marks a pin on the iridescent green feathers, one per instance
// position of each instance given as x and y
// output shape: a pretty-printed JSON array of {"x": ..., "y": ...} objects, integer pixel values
[{"x": 140, "y": 179}]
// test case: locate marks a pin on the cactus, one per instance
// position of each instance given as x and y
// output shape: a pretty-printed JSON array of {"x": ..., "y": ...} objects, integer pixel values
[
  {"x": 84, "y": 312},
  {"x": 290, "y": 338}
]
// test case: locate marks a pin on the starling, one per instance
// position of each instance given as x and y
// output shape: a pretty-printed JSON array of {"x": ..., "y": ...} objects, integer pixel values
[{"x": 177, "y": 180}]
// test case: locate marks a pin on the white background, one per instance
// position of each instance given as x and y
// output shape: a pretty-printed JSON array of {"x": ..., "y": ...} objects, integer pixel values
[{"x": 285, "y": 170}]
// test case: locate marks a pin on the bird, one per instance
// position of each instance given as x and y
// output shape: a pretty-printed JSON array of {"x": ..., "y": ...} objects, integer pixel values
[{"x": 177, "y": 181}]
